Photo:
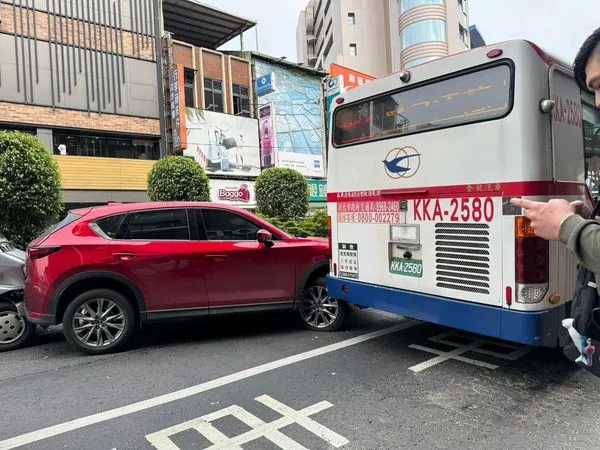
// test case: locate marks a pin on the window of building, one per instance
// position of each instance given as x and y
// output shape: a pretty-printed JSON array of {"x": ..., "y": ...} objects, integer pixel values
[
  {"x": 352, "y": 49},
  {"x": 327, "y": 5},
  {"x": 351, "y": 19},
  {"x": 463, "y": 33},
  {"x": 423, "y": 31},
  {"x": 158, "y": 225},
  {"x": 463, "y": 5},
  {"x": 213, "y": 95},
  {"x": 241, "y": 101},
  {"x": 416, "y": 62},
  {"x": 76, "y": 144},
  {"x": 189, "y": 82},
  {"x": 405, "y": 5},
  {"x": 224, "y": 225},
  {"x": 429, "y": 107},
  {"x": 328, "y": 47}
]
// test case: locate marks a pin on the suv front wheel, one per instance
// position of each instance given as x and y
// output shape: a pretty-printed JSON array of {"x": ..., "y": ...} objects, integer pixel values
[
  {"x": 318, "y": 311},
  {"x": 99, "y": 321}
]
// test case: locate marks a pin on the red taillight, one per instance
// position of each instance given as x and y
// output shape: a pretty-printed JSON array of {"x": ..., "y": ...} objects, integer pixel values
[
  {"x": 532, "y": 254},
  {"x": 508, "y": 295},
  {"x": 41, "y": 252}
]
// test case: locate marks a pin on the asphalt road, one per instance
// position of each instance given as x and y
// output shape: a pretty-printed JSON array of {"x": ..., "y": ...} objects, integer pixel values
[{"x": 261, "y": 382}]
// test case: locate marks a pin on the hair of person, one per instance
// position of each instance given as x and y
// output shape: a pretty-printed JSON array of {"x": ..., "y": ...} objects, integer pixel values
[{"x": 589, "y": 47}]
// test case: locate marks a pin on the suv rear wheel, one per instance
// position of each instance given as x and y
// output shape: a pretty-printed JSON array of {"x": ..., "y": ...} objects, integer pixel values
[
  {"x": 99, "y": 321},
  {"x": 318, "y": 311}
]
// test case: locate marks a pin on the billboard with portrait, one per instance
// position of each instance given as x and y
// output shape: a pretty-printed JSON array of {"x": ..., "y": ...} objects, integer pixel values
[{"x": 223, "y": 144}]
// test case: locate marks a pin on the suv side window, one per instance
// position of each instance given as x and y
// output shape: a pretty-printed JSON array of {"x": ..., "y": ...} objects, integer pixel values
[
  {"x": 158, "y": 225},
  {"x": 108, "y": 227},
  {"x": 222, "y": 225}
]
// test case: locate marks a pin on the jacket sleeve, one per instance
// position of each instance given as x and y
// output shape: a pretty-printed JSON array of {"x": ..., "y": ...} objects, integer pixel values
[{"x": 582, "y": 237}]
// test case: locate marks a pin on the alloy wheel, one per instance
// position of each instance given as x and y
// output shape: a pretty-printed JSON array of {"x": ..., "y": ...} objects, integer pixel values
[
  {"x": 318, "y": 309},
  {"x": 12, "y": 327},
  {"x": 99, "y": 322}
]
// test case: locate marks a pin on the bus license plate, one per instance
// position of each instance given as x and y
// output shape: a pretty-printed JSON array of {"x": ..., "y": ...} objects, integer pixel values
[{"x": 407, "y": 267}]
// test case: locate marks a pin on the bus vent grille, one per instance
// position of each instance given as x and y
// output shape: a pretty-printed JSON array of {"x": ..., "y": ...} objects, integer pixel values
[{"x": 462, "y": 257}]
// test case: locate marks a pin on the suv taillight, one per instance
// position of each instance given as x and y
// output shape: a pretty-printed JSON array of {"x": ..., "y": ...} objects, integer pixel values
[
  {"x": 532, "y": 263},
  {"x": 41, "y": 252}
]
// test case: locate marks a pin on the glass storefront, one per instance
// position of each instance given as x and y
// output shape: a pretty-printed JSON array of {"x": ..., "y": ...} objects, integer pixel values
[{"x": 103, "y": 146}]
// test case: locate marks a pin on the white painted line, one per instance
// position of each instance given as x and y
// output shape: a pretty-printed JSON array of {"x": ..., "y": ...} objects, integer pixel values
[
  {"x": 457, "y": 357},
  {"x": 445, "y": 356},
  {"x": 518, "y": 351},
  {"x": 76, "y": 424}
]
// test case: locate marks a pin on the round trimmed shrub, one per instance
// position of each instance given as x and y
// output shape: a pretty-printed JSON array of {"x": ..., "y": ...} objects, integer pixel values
[
  {"x": 177, "y": 178},
  {"x": 282, "y": 193},
  {"x": 30, "y": 195}
]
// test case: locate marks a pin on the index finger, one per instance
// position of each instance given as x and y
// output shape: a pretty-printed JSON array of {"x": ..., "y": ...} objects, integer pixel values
[{"x": 523, "y": 203}]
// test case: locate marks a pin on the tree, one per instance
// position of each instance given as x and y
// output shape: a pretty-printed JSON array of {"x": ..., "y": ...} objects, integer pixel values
[
  {"x": 30, "y": 195},
  {"x": 282, "y": 193},
  {"x": 177, "y": 178}
]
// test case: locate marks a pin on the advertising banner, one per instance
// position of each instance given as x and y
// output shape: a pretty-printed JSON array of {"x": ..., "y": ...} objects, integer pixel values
[
  {"x": 223, "y": 144},
  {"x": 265, "y": 84},
  {"x": 268, "y": 140},
  {"x": 233, "y": 192},
  {"x": 178, "y": 118},
  {"x": 350, "y": 78},
  {"x": 317, "y": 190},
  {"x": 293, "y": 136}
]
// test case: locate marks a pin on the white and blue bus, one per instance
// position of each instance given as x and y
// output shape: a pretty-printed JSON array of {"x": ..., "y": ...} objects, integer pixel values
[{"x": 422, "y": 165}]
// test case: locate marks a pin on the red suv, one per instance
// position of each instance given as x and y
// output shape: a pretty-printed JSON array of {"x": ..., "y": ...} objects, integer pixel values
[{"x": 104, "y": 271}]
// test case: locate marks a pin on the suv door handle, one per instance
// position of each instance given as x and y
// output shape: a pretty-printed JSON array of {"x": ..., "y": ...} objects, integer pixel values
[
  {"x": 124, "y": 256},
  {"x": 217, "y": 258}
]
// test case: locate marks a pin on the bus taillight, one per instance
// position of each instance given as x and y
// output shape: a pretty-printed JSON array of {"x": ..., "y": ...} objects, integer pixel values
[{"x": 532, "y": 263}]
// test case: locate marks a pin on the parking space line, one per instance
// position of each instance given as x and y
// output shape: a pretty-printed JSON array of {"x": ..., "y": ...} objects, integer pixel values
[
  {"x": 475, "y": 346},
  {"x": 82, "y": 422}
]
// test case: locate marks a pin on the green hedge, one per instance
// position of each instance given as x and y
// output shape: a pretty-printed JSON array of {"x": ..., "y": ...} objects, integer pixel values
[
  {"x": 30, "y": 195},
  {"x": 314, "y": 225},
  {"x": 177, "y": 178},
  {"x": 282, "y": 193}
]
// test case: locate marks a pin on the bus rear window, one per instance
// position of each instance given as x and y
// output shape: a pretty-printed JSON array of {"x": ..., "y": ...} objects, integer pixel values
[{"x": 466, "y": 98}]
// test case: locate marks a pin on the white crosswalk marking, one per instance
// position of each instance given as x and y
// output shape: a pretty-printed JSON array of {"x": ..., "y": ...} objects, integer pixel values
[
  {"x": 161, "y": 440},
  {"x": 515, "y": 351}
]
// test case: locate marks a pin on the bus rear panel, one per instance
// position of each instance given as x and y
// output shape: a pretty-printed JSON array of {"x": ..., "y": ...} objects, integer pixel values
[{"x": 420, "y": 177}]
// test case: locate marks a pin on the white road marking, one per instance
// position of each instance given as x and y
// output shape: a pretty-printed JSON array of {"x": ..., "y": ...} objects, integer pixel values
[
  {"x": 161, "y": 439},
  {"x": 82, "y": 422},
  {"x": 474, "y": 346}
]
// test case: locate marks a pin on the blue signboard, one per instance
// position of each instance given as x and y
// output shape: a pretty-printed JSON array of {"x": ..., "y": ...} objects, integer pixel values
[{"x": 265, "y": 84}]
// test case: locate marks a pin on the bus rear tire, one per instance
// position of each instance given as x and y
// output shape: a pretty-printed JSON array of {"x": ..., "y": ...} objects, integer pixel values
[{"x": 318, "y": 311}]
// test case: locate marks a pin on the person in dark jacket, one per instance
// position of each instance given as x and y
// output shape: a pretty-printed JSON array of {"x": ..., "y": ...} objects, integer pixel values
[{"x": 558, "y": 219}]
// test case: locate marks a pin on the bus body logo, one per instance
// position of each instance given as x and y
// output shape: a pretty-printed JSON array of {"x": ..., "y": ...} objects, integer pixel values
[{"x": 402, "y": 162}]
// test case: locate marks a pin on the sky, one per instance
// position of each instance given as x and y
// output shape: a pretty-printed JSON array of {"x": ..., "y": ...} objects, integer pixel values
[{"x": 558, "y": 26}]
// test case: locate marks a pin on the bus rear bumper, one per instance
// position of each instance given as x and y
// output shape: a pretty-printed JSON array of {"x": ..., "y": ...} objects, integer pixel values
[{"x": 538, "y": 328}]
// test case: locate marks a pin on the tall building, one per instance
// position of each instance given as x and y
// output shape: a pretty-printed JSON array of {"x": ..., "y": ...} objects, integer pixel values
[{"x": 380, "y": 36}]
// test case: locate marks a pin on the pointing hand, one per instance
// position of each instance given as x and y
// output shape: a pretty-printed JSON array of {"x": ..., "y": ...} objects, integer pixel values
[{"x": 546, "y": 218}]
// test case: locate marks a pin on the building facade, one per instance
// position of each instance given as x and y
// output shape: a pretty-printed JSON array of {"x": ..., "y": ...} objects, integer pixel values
[
  {"x": 83, "y": 77},
  {"x": 379, "y": 37}
]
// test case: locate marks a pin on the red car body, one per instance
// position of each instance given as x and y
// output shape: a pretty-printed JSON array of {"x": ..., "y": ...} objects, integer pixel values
[{"x": 209, "y": 273}]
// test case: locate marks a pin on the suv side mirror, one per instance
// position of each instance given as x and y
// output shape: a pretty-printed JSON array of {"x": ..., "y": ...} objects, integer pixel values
[{"x": 264, "y": 237}]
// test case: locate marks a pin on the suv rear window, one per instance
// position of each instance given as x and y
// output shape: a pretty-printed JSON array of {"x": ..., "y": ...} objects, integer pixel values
[
  {"x": 158, "y": 225},
  {"x": 108, "y": 226}
]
